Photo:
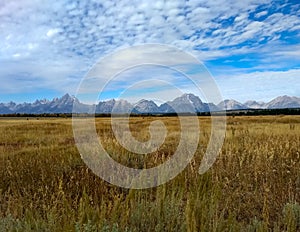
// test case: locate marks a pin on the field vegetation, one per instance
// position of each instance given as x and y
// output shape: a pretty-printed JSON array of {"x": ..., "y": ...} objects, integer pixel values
[{"x": 253, "y": 186}]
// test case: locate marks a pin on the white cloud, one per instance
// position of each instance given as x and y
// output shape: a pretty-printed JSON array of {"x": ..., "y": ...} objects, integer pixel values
[
  {"x": 16, "y": 55},
  {"x": 52, "y": 32},
  {"x": 260, "y": 14}
]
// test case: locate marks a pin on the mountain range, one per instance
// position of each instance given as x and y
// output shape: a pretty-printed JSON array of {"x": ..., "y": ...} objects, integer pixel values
[{"x": 183, "y": 104}]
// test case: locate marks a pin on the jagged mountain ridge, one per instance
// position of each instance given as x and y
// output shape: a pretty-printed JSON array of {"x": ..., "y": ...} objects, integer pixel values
[
  {"x": 184, "y": 103},
  {"x": 146, "y": 106},
  {"x": 255, "y": 105},
  {"x": 232, "y": 105}
]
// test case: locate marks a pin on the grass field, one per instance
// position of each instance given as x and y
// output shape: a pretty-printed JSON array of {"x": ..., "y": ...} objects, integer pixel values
[{"x": 253, "y": 186}]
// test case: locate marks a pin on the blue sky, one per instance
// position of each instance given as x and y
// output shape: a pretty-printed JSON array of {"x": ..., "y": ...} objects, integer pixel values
[{"x": 251, "y": 48}]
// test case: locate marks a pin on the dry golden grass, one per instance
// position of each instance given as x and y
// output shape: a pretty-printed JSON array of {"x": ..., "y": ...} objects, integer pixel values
[{"x": 253, "y": 186}]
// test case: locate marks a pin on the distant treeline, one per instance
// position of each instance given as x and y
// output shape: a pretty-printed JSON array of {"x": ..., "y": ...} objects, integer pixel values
[
  {"x": 246, "y": 112},
  {"x": 287, "y": 111}
]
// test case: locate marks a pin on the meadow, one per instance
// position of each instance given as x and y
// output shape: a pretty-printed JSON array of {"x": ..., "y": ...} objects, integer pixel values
[{"x": 253, "y": 186}]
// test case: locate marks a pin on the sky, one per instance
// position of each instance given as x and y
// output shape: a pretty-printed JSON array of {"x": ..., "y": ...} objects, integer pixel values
[{"x": 251, "y": 48}]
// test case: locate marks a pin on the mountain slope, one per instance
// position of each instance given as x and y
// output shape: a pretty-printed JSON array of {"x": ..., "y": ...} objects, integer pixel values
[
  {"x": 4, "y": 109},
  {"x": 284, "y": 102},
  {"x": 146, "y": 106},
  {"x": 232, "y": 105}
]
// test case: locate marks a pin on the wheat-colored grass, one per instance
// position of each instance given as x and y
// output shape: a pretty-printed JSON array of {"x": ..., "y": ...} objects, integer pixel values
[{"x": 253, "y": 186}]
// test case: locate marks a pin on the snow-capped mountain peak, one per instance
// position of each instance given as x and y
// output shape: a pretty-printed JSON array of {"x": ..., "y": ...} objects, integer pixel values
[
  {"x": 146, "y": 106},
  {"x": 230, "y": 104}
]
